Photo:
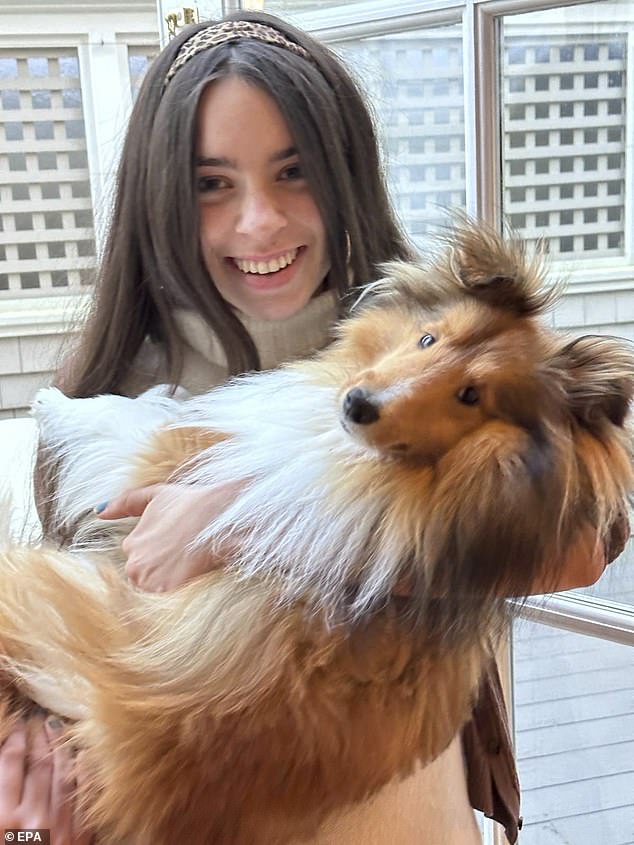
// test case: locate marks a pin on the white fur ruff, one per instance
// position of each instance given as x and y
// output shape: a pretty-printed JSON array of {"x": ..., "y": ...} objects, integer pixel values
[
  {"x": 311, "y": 492},
  {"x": 93, "y": 442}
]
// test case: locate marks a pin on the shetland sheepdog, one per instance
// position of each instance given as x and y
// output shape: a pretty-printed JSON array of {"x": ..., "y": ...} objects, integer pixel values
[{"x": 439, "y": 456}]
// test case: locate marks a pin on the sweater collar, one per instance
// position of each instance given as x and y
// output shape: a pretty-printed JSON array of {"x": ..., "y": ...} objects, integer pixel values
[{"x": 277, "y": 341}]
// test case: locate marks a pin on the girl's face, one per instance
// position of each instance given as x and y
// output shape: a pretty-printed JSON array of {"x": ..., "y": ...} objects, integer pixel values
[{"x": 262, "y": 236}]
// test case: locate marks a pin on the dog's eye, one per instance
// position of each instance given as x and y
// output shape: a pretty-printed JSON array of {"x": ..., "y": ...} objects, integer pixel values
[
  {"x": 468, "y": 396},
  {"x": 426, "y": 340}
]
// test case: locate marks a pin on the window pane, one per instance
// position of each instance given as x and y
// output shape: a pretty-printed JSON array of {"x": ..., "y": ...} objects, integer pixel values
[
  {"x": 414, "y": 83},
  {"x": 574, "y": 729},
  {"x": 139, "y": 59},
  {"x": 564, "y": 120},
  {"x": 43, "y": 147}
]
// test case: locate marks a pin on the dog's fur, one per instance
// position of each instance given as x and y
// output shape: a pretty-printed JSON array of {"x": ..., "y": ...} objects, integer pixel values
[{"x": 393, "y": 492}]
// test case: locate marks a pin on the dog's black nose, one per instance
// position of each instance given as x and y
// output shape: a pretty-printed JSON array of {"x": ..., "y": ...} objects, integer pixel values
[{"x": 358, "y": 406}]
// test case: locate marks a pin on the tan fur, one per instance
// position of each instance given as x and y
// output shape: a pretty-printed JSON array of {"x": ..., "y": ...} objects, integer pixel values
[
  {"x": 216, "y": 714},
  {"x": 293, "y": 722},
  {"x": 423, "y": 419},
  {"x": 169, "y": 451}
]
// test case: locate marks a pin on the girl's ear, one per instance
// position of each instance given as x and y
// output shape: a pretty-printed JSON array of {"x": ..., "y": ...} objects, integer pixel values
[
  {"x": 496, "y": 517},
  {"x": 598, "y": 377}
]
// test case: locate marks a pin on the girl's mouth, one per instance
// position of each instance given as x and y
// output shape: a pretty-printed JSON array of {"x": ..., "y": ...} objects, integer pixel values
[{"x": 271, "y": 265}]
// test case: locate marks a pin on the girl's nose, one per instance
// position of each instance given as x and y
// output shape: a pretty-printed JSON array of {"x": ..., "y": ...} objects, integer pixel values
[{"x": 260, "y": 214}]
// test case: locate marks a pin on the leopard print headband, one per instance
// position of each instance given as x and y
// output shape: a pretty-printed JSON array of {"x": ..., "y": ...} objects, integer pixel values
[{"x": 222, "y": 33}]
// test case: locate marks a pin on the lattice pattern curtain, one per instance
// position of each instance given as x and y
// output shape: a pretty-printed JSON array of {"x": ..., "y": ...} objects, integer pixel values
[
  {"x": 415, "y": 84},
  {"x": 564, "y": 122},
  {"x": 563, "y": 134},
  {"x": 46, "y": 219}
]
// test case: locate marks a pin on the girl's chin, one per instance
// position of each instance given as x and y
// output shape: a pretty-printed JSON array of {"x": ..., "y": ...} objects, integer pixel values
[{"x": 274, "y": 311}]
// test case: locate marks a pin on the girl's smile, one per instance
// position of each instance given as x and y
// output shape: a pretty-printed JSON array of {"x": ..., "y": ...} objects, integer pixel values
[{"x": 270, "y": 273}]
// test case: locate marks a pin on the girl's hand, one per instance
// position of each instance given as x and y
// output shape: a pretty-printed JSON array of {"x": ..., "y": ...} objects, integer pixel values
[
  {"x": 583, "y": 563},
  {"x": 586, "y": 558},
  {"x": 37, "y": 782},
  {"x": 172, "y": 516}
]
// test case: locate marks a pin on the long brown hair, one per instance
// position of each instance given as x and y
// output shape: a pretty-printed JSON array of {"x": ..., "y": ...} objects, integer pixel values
[{"x": 152, "y": 260}]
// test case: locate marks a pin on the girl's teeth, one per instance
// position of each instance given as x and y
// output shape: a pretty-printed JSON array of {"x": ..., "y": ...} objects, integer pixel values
[{"x": 262, "y": 267}]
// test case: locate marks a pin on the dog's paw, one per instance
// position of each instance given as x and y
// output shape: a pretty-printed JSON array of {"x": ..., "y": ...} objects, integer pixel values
[
  {"x": 48, "y": 407},
  {"x": 45, "y": 398}
]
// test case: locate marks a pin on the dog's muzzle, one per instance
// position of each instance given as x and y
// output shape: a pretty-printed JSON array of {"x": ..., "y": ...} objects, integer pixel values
[{"x": 359, "y": 406}]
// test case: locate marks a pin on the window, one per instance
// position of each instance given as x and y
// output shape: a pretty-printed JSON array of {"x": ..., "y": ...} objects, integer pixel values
[
  {"x": 574, "y": 728},
  {"x": 139, "y": 59},
  {"x": 580, "y": 93},
  {"x": 45, "y": 150},
  {"x": 425, "y": 157}
]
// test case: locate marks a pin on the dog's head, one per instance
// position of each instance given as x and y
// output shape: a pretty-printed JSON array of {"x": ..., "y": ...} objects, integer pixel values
[
  {"x": 426, "y": 379},
  {"x": 442, "y": 350},
  {"x": 451, "y": 369}
]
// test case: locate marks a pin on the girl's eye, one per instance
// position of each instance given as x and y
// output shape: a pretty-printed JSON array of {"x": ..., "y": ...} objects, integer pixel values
[
  {"x": 292, "y": 172},
  {"x": 208, "y": 184},
  {"x": 468, "y": 396},
  {"x": 426, "y": 340}
]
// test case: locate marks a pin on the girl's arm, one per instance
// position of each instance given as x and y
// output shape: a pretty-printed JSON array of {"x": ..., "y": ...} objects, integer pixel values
[{"x": 173, "y": 515}]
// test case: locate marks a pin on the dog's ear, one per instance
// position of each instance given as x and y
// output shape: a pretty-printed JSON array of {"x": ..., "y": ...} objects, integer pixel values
[
  {"x": 496, "y": 526},
  {"x": 497, "y": 271},
  {"x": 598, "y": 378}
]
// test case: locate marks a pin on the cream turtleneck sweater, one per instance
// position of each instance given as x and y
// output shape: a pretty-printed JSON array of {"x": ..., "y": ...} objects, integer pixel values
[
  {"x": 430, "y": 807},
  {"x": 204, "y": 360}
]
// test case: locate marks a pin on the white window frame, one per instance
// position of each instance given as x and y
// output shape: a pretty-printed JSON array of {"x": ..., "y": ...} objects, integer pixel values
[{"x": 101, "y": 34}]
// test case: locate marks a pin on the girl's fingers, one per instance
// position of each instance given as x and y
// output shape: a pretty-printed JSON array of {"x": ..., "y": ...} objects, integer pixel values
[
  {"x": 63, "y": 780},
  {"x": 13, "y": 767},
  {"x": 131, "y": 503},
  {"x": 81, "y": 836},
  {"x": 36, "y": 792}
]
